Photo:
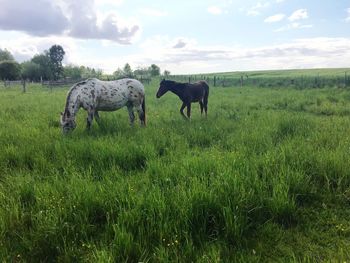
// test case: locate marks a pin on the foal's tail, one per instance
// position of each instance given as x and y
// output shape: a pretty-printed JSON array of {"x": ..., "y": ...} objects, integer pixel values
[{"x": 144, "y": 110}]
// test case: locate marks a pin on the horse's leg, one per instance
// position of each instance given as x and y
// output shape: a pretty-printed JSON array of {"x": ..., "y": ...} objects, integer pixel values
[
  {"x": 97, "y": 117},
  {"x": 141, "y": 114},
  {"x": 201, "y": 105},
  {"x": 131, "y": 114},
  {"x": 182, "y": 110},
  {"x": 205, "y": 103},
  {"x": 189, "y": 111},
  {"x": 89, "y": 118}
]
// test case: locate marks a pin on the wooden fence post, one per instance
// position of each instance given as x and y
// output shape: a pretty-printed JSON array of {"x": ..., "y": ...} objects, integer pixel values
[
  {"x": 241, "y": 81},
  {"x": 214, "y": 81},
  {"x": 346, "y": 79},
  {"x": 24, "y": 85}
]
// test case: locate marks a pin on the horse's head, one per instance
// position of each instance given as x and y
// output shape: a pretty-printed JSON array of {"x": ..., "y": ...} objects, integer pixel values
[
  {"x": 67, "y": 123},
  {"x": 164, "y": 87}
]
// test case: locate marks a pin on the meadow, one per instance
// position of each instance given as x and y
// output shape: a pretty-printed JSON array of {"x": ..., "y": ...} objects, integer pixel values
[{"x": 264, "y": 178}]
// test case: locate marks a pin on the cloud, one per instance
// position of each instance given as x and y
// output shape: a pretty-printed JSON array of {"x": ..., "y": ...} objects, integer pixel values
[
  {"x": 109, "y": 2},
  {"x": 214, "y": 10},
  {"x": 75, "y": 18},
  {"x": 294, "y": 25},
  {"x": 153, "y": 12},
  {"x": 298, "y": 15},
  {"x": 185, "y": 55},
  {"x": 257, "y": 8},
  {"x": 348, "y": 17},
  {"x": 180, "y": 44},
  {"x": 39, "y": 18},
  {"x": 275, "y": 18},
  {"x": 24, "y": 47},
  {"x": 300, "y": 53}
]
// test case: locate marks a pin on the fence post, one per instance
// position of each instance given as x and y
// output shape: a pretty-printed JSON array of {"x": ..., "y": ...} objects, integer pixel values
[
  {"x": 241, "y": 81},
  {"x": 346, "y": 79},
  {"x": 214, "y": 81},
  {"x": 24, "y": 85},
  {"x": 189, "y": 79}
]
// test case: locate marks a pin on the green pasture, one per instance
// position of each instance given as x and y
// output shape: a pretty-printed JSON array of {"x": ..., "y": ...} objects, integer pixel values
[{"x": 265, "y": 178}]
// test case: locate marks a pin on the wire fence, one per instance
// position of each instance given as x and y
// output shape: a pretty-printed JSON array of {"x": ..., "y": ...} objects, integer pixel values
[
  {"x": 300, "y": 82},
  {"x": 58, "y": 83}
]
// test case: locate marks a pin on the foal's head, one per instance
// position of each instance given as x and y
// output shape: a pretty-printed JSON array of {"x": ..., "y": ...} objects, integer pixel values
[
  {"x": 67, "y": 123},
  {"x": 164, "y": 87}
]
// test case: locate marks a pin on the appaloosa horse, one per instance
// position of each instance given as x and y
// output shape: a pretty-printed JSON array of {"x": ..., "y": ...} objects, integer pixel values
[
  {"x": 188, "y": 93},
  {"x": 94, "y": 95}
]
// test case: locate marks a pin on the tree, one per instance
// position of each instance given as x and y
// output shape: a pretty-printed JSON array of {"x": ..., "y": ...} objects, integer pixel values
[
  {"x": 166, "y": 73},
  {"x": 118, "y": 73},
  {"x": 44, "y": 63},
  {"x": 73, "y": 72},
  {"x": 31, "y": 70},
  {"x": 9, "y": 70},
  {"x": 87, "y": 72},
  {"x": 5, "y": 55},
  {"x": 141, "y": 72},
  {"x": 56, "y": 55},
  {"x": 127, "y": 70},
  {"x": 154, "y": 70}
]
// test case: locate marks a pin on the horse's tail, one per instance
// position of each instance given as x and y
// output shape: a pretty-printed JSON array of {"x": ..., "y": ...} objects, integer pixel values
[{"x": 144, "y": 109}]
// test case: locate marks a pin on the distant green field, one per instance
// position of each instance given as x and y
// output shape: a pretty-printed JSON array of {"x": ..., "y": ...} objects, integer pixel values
[
  {"x": 298, "y": 79},
  {"x": 336, "y": 72},
  {"x": 265, "y": 178}
]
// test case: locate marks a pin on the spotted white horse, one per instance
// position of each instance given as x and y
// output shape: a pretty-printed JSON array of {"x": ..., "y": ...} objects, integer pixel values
[{"x": 94, "y": 95}]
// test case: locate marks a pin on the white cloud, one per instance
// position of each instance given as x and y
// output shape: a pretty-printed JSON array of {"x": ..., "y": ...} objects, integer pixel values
[
  {"x": 24, "y": 47},
  {"x": 109, "y": 2},
  {"x": 294, "y": 25},
  {"x": 275, "y": 18},
  {"x": 348, "y": 17},
  {"x": 153, "y": 12},
  {"x": 301, "y": 53},
  {"x": 280, "y": 1},
  {"x": 185, "y": 55},
  {"x": 298, "y": 15},
  {"x": 76, "y": 18},
  {"x": 215, "y": 10},
  {"x": 257, "y": 8}
]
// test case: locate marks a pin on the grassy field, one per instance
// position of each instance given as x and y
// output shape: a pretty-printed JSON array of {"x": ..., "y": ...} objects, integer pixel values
[
  {"x": 329, "y": 72},
  {"x": 265, "y": 178}
]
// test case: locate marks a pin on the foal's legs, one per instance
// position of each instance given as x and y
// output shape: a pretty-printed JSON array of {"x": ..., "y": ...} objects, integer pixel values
[
  {"x": 201, "y": 105},
  {"x": 182, "y": 109},
  {"x": 206, "y": 109},
  {"x": 189, "y": 111},
  {"x": 131, "y": 114}
]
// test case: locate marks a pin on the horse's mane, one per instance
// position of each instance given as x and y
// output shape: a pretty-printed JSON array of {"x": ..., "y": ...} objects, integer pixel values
[{"x": 75, "y": 86}]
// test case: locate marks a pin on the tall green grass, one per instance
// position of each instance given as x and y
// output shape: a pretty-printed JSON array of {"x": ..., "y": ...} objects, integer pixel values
[{"x": 264, "y": 178}]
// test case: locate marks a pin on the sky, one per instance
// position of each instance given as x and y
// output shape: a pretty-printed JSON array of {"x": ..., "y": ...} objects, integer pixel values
[{"x": 183, "y": 36}]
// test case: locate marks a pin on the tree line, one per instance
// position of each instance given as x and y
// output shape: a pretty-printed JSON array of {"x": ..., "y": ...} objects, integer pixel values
[{"x": 48, "y": 66}]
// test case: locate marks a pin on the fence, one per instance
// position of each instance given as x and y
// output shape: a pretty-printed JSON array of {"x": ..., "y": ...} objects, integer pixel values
[
  {"x": 59, "y": 83},
  {"x": 300, "y": 82}
]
